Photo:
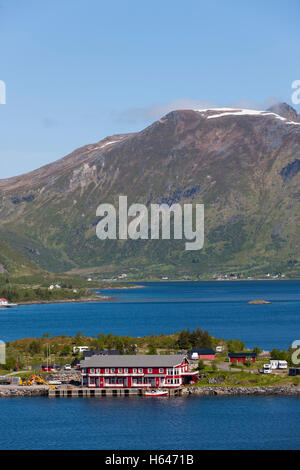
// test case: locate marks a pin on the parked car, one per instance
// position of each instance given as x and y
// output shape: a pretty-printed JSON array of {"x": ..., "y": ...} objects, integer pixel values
[{"x": 68, "y": 367}]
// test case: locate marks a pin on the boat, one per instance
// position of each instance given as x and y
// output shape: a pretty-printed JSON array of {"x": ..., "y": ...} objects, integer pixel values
[
  {"x": 5, "y": 304},
  {"x": 156, "y": 393}
]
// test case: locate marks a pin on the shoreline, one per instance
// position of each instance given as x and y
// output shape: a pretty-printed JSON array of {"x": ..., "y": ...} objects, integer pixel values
[
  {"x": 271, "y": 390},
  {"x": 11, "y": 391},
  {"x": 67, "y": 301}
]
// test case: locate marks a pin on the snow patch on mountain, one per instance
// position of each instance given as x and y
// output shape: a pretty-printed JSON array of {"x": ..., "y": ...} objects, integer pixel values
[{"x": 220, "y": 112}]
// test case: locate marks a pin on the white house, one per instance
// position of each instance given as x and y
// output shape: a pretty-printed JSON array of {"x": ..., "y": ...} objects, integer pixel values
[
  {"x": 80, "y": 349},
  {"x": 3, "y": 302}
]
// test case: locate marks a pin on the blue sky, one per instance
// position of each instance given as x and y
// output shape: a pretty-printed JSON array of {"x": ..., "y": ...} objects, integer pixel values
[{"x": 78, "y": 70}]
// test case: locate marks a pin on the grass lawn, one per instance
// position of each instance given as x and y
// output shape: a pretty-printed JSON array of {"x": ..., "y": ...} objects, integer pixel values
[{"x": 244, "y": 379}]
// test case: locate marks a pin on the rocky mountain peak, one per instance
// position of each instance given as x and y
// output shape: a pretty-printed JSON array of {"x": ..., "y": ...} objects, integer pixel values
[{"x": 284, "y": 110}]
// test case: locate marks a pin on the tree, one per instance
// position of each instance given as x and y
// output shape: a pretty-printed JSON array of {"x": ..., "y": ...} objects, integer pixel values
[
  {"x": 184, "y": 340},
  {"x": 276, "y": 354},
  {"x": 152, "y": 349},
  {"x": 35, "y": 347},
  {"x": 256, "y": 350},
  {"x": 235, "y": 345},
  {"x": 66, "y": 350}
]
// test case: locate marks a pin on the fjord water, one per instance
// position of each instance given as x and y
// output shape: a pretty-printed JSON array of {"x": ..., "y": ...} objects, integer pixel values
[
  {"x": 168, "y": 307},
  {"x": 156, "y": 423}
]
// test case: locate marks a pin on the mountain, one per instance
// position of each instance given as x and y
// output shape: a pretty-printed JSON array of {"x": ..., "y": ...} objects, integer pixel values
[
  {"x": 15, "y": 264},
  {"x": 244, "y": 165}
]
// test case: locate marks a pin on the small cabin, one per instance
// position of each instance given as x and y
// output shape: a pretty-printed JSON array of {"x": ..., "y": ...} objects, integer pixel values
[
  {"x": 202, "y": 353},
  {"x": 242, "y": 357},
  {"x": 293, "y": 371}
]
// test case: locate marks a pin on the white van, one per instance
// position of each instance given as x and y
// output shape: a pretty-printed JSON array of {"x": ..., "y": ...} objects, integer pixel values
[{"x": 266, "y": 369}]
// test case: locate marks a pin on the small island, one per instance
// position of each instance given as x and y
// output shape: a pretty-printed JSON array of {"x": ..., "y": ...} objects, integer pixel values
[{"x": 258, "y": 302}]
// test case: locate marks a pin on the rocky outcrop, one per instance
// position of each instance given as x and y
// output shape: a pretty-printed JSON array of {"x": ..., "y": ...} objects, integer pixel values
[
  {"x": 273, "y": 390},
  {"x": 7, "y": 391},
  {"x": 65, "y": 377}
]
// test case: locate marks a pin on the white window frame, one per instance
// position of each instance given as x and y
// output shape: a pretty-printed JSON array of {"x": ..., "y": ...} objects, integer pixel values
[{"x": 150, "y": 371}]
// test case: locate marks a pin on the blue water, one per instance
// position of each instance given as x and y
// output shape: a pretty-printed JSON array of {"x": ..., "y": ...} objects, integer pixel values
[
  {"x": 140, "y": 423},
  {"x": 219, "y": 307}
]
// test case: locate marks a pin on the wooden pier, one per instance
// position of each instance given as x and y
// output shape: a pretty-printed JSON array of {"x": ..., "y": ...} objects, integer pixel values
[{"x": 102, "y": 392}]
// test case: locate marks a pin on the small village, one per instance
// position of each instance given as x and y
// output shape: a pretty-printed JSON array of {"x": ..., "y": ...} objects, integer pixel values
[{"x": 105, "y": 372}]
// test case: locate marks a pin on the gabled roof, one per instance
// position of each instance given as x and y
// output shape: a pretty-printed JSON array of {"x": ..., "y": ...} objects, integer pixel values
[
  {"x": 242, "y": 354},
  {"x": 139, "y": 360},
  {"x": 103, "y": 352},
  {"x": 202, "y": 351}
]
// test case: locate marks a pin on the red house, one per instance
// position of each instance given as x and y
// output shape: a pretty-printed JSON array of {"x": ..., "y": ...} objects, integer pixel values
[
  {"x": 202, "y": 353},
  {"x": 242, "y": 357},
  {"x": 136, "y": 371},
  {"x": 48, "y": 367}
]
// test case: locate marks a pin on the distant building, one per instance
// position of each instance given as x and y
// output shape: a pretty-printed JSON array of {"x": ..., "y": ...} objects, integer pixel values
[
  {"x": 103, "y": 352},
  {"x": 202, "y": 353},
  {"x": 80, "y": 349},
  {"x": 137, "y": 371},
  {"x": 242, "y": 357},
  {"x": 294, "y": 371},
  {"x": 3, "y": 302},
  {"x": 48, "y": 367}
]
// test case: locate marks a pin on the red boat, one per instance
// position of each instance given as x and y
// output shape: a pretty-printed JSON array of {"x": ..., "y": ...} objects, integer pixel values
[{"x": 156, "y": 393}]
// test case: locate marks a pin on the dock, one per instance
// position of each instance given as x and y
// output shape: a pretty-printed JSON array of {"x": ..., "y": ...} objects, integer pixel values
[{"x": 100, "y": 392}]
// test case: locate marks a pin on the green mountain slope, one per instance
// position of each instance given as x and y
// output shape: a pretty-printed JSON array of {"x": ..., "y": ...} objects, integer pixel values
[
  {"x": 245, "y": 168},
  {"x": 14, "y": 263}
]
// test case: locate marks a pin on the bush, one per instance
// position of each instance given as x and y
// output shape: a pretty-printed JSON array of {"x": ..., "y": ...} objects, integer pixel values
[{"x": 201, "y": 365}]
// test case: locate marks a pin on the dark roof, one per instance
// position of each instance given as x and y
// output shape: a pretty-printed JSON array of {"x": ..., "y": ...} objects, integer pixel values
[
  {"x": 104, "y": 352},
  {"x": 204, "y": 351},
  {"x": 242, "y": 354},
  {"x": 139, "y": 360}
]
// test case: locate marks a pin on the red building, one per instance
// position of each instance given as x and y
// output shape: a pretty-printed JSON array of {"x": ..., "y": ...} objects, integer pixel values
[
  {"x": 242, "y": 357},
  {"x": 136, "y": 371},
  {"x": 202, "y": 353},
  {"x": 48, "y": 368}
]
